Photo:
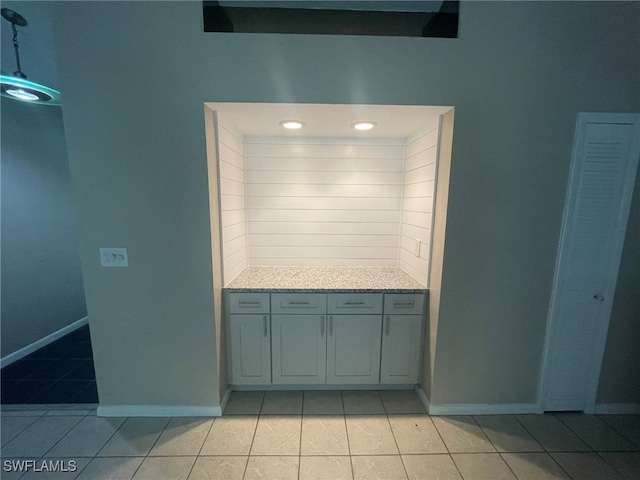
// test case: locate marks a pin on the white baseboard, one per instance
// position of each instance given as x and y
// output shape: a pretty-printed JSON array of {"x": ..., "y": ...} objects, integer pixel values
[
  {"x": 483, "y": 409},
  {"x": 43, "y": 342},
  {"x": 617, "y": 409},
  {"x": 225, "y": 399},
  {"x": 158, "y": 411},
  {"x": 423, "y": 398}
]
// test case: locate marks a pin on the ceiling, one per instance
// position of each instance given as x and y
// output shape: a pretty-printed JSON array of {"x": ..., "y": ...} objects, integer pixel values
[{"x": 327, "y": 120}]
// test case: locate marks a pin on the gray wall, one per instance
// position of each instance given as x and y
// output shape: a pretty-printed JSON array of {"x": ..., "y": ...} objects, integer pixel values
[
  {"x": 620, "y": 375},
  {"x": 134, "y": 87},
  {"x": 42, "y": 287}
]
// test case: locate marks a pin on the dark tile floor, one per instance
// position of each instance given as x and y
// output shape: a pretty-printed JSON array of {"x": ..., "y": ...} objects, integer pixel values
[{"x": 61, "y": 372}]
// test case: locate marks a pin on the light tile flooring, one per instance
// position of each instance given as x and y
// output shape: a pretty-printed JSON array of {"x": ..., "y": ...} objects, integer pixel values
[{"x": 318, "y": 435}]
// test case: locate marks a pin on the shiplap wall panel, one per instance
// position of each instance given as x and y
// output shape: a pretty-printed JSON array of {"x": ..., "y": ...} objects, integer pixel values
[
  {"x": 328, "y": 203},
  {"x": 321, "y": 164},
  {"x": 321, "y": 150},
  {"x": 234, "y": 231},
  {"x": 233, "y": 217},
  {"x": 346, "y": 215},
  {"x": 292, "y": 190},
  {"x": 233, "y": 202},
  {"x": 323, "y": 240},
  {"x": 417, "y": 204},
  {"x": 324, "y": 201},
  {"x": 233, "y": 195},
  {"x": 324, "y": 178},
  {"x": 325, "y": 228}
]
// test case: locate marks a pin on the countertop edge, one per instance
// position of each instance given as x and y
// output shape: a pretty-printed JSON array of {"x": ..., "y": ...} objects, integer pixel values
[{"x": 324, "y": 290}]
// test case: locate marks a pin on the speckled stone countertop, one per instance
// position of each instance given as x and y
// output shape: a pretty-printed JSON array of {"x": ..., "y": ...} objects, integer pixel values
[{"x": 321, "y": 279}]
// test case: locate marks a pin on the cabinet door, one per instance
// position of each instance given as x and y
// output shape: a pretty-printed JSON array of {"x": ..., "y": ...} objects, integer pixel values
[
  {"x": 250, "y": 350},
  {"x": 299, "y": 349},
  {"x": 401, "y": 348},
  {"x": 353, "y": 349}
]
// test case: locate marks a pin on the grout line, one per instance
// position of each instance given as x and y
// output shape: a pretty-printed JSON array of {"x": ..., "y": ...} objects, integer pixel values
[
  {"x": 574, "y": 432},
  {"x": 201, "y": 447},
  {"x": 624, "y": 435},
  {"x": 344, "y": 419},
  {"x": 446, "y": 447},
  {"x": 547, "y": 452},
  {"x": 395, "y": 440}
]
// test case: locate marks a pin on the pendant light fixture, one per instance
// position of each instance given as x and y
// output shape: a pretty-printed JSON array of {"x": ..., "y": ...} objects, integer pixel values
[{"x": 17, "y": 86}]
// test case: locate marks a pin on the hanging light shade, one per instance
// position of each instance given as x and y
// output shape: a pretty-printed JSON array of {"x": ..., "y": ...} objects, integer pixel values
[{"x": 17, "y": 86}]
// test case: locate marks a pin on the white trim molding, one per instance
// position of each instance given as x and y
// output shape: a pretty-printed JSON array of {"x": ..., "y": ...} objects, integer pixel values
[
  {"x": 616, "y": 409},
  {"x": 159, "y": 411},
  {"x": 423, "y": 398},
  {"x": 483, "y": 409},
  {"x": 43, "y": 342},
  {"x": 225, "y": 399}
]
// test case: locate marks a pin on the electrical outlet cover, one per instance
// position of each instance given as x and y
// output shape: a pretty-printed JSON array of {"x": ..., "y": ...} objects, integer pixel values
[{"x": 114, "y": 257}]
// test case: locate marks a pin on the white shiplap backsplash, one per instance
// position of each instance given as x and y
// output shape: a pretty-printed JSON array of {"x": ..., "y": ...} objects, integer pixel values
[
  {"x": 417, "y": 203},
  {"x": 233, "y": 202},
  {"x": 314, "y": 201}
]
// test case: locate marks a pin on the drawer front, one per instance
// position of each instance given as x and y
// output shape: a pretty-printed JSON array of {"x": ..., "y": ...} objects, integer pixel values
[
  {"x": 298, "y": 303},
  {"x": 354, "y": 303},
  {"x": 404, "y": 303},
  {"x": 249, "y": 302}
]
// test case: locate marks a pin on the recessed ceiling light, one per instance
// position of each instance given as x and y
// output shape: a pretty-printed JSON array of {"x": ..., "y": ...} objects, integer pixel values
[
  {"x": 292, "y": 124},
  {"x": 364, "y": 125}
]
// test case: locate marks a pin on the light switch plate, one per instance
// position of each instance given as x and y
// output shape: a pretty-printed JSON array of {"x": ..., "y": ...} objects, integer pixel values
[
  {"x": 417, "y": 248},
  {"x": 114, "y": 257}
]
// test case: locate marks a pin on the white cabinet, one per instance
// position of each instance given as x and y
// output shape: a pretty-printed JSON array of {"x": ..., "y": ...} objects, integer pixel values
[
  {"x": 354, "y": 303},
  {"x": 299, "y": 349},
  {"x": 353, "y": 349},
  {"x": 333, "y": 339},
  {"x": 404, "y": 303},
  {"x": 401, "y": 349},
  {"x": 249, "y": 302},
  {"x": 250, "y": 349}
]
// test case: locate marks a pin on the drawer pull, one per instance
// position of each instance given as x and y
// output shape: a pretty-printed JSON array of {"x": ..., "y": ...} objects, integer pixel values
[
  {"x": 404, "y": 304},
  {"x": 354, "y": 303},
  {"x": 387, "y": 329},
  {"x": 246, "y": 303},
  {"x": 298, "y": 303},
  {"x": 264, "y": 325},
  {"x": 322, "y": 326}
]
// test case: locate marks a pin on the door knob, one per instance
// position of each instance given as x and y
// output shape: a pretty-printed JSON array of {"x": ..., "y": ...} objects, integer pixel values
[{"x": 599, "y": 297}]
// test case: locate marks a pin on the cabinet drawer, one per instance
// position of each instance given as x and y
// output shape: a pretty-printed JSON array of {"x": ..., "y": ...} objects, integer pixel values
[
  {"x": 249, "y": 302},
  {"x": 404, "y": 303},
  {"x": 299, "y": 303},
  {"x": 354, "y": 303}
]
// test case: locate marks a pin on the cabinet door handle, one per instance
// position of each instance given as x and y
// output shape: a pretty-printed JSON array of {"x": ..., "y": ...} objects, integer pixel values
[
  {"x": 331, "y": 326},
  {"x": 387, "y": 328},
  {"x": 404, "y": 304},
  {"x": 264, "y": 325},
  {"x": 322, "y": 326}
]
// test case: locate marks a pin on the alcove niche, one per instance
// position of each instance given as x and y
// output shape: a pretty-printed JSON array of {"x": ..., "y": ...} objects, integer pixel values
[{"x": 325, "y": 194}]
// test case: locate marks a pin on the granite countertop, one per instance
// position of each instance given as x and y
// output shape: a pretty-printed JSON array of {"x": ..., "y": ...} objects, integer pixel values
[{"x": 319, "y": 279}]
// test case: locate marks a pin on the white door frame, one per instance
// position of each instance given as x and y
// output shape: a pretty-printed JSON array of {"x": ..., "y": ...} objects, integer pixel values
[{"x": 603, "y": 328}]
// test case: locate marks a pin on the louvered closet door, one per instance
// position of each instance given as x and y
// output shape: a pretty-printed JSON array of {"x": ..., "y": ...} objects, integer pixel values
[{"x": 602, "y": 180}]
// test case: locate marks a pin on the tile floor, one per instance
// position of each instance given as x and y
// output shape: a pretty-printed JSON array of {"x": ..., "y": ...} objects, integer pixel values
[
  {"x": 318, "y": 435},
  {"x": 61, "y": 372}
]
